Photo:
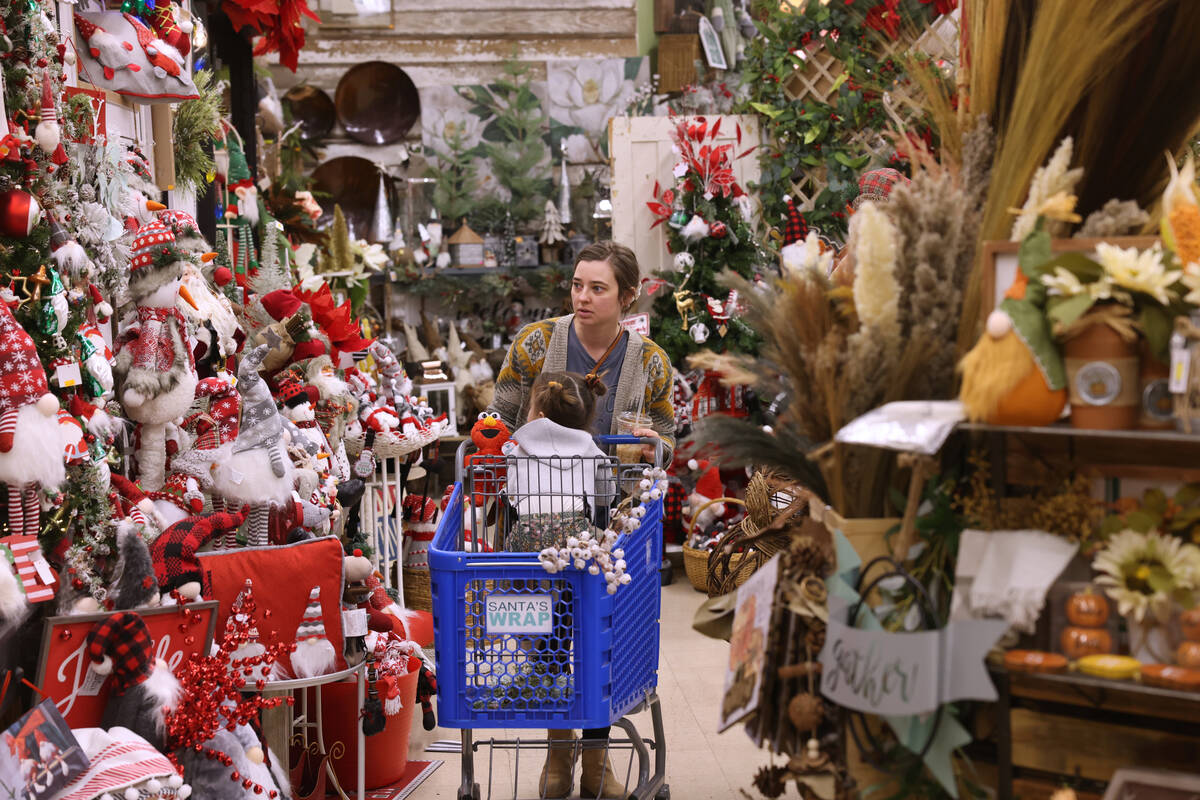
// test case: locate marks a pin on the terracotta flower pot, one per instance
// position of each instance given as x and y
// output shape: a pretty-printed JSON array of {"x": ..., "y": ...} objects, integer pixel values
[{"x": 1103, "y": 379}]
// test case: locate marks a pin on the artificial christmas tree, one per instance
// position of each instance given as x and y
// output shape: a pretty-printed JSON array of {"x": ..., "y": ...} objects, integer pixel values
[{"x": 710, "y": 229}]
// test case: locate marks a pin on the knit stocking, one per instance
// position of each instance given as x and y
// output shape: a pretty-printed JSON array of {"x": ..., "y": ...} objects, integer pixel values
[
  {"x": 33, "y": 510},
  {"x": 16, "y": 511},
  {"x": 258, "y": 526}
]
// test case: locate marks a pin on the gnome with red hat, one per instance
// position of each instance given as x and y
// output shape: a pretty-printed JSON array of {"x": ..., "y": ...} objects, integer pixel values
[
  {"x": 174, "y": 552},
  {"x": 708, "y": 488},
  {"x": 154, "y": 358},
  {"x": 28, "y": 423},
  {"x": 48, "y": 133}
]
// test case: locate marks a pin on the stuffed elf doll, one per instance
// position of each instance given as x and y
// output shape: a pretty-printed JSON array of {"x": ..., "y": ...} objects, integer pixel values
[
  {"x": 174, "y": 552},
  {"x": 31, "y": 438},
  {"x": 154, "y": 358}
]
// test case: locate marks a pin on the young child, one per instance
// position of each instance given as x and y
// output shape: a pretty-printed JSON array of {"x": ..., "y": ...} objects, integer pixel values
[
  {"x": 554, "y": 488},
  {"x": 552, "y": 481}
]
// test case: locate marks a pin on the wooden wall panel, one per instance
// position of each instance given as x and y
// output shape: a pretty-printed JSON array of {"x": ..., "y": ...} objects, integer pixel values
[{"x": 458, "y": 42}]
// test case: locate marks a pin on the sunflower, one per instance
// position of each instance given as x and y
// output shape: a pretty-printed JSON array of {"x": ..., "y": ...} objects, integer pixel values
[{"x": 1148, "y": 572}]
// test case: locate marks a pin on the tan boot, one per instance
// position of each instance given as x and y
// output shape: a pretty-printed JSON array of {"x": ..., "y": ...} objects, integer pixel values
[
  {"x": 597, "y": 778},
  {"x": 559, "y": 771}
]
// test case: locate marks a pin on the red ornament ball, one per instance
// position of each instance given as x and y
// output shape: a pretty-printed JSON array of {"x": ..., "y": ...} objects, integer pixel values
[{"x": 222, "y": 276}]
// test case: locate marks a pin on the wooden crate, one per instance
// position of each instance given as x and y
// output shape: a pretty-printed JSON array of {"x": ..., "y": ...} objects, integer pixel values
[{"x": 677, "y": 56}]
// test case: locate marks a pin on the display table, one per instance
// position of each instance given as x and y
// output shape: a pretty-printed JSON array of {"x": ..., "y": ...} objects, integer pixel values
[
  {"x": 284, "y": 724},
  {"x": 1055, "y": 726}
]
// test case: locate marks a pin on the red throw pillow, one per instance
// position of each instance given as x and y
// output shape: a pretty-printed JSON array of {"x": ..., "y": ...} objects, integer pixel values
[{"x": 283, "y": 578}]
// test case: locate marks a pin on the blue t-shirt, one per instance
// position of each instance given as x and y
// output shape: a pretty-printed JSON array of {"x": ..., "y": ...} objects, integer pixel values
[{"x": 579, "y": 361}]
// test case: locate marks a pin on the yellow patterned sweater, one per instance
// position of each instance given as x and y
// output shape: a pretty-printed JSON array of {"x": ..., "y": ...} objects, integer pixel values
[{"x": 647, "y": 377}]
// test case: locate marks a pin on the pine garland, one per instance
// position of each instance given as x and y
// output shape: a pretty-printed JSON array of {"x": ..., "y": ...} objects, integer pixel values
[{"x": 197, "y": 123}]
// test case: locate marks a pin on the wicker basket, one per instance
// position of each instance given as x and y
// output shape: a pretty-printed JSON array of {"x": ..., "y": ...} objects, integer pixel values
[
  {"x": 695, "y": 564},
  {"x": 695, "y": 560},
  {"x": 417, "y": 594}
]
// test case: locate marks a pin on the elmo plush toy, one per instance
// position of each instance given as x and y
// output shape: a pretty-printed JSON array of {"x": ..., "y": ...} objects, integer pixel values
[{"x": 489, "y": 434}]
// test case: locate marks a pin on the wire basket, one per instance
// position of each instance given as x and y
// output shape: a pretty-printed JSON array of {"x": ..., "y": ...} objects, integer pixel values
[{"x": 390, "y": 445}]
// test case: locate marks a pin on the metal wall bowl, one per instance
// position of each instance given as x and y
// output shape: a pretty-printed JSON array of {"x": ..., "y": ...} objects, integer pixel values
[
  {"x": 313, "y": 109},
  {"x": 377, "y": 103},
  {"x": 352, "y": 183}
]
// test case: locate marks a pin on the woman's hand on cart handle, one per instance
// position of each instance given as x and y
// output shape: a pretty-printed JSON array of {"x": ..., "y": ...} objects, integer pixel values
[{"x": 648, "y": 450}]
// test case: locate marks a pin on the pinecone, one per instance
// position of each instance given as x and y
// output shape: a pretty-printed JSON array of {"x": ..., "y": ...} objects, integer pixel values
[{"x": 771, "y": 781}]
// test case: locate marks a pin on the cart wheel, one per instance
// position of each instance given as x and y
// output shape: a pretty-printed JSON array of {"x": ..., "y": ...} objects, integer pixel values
[
  {"x": 474, "y": 795},
  {"x": 664, "y": 793},
  {"x": 666, "y": 572}
]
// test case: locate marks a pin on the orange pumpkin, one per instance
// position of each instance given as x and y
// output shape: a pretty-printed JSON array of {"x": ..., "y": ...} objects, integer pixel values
[
  {"x": 1087, "y": 609},
  {"x": 1190, "y": 622},
  {"x": 1080, "y": 642},
  {"x": 1188, "y": 655}
]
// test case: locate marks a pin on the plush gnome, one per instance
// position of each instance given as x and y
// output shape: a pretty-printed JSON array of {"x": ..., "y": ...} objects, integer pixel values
[
  {"x": 298, "y": 405},
  {"x": 112, "y": 53},
  {"x": 314, "y": 654},
  {"x": 48, "y": 133},
  {"x": 134, "y": 584},
  {"x": 242, "y": 200},
  {"x": 28, "y": 423},
  {"x": 174, "y": 552},
  {"x": 154, "y": 362},
  {"x": 254, "y": 469},
  {"x": 68, "y": 254},
  {"x": 708, "y": 488},
  {"x": 142, "y": 687},
  {"x": 190, "y": 472}
]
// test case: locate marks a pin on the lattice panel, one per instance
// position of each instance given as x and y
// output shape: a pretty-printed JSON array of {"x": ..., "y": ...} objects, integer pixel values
[{"x": 818, "y": 77}]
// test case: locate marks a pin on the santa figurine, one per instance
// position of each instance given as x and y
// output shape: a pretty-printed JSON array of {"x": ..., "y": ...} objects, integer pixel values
[
  {"x": 28, "y": 424},
  {"x": 154, "y": 363}
]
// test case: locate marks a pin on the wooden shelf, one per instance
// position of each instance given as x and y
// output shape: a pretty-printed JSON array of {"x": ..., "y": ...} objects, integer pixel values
[{"x": 1111, "y": 453}]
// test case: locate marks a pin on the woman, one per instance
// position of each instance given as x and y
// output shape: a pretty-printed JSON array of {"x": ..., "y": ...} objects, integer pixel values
[
  {"x": 638, "y": 376},
  {"x": 591, "y": 341}
]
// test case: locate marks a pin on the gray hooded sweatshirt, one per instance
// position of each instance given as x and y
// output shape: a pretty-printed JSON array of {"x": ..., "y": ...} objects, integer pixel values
[{"x": 554, "y": 469}]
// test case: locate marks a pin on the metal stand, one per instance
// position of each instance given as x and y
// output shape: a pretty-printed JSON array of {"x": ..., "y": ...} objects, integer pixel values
[
  {"x": 302, "y": 724},
  {"x": 382, "y": 517}
]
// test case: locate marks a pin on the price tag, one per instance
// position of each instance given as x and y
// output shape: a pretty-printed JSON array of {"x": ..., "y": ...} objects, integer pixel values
[
  {"x": 354, "y": 622},
  {"x": 42, "y": 567},
  {"x": 92, "y": 682},
  {"x": 68, "y": 375},
  {"x": 236, "y": 476},
  {"x": 1180, "y": 366},
  {"x": 639, "y": 323}
]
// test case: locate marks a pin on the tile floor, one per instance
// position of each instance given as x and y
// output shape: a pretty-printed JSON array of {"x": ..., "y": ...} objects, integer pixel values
[{"x": 701, "y": 764}]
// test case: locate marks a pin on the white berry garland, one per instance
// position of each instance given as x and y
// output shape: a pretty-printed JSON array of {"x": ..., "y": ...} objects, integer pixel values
[{"x": 600, "y": 549}]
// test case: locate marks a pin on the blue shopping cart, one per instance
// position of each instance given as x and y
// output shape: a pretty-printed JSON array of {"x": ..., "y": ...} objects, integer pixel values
[{"x": 519, "y": 647}]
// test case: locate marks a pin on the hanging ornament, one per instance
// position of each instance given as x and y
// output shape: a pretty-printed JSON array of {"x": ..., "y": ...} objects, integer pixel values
[
  {"x": 564, "y": 197},
  {"x": 696, "y": 229},
  {"x": 381, "y": 220},
  {"x": 678, "y": 218},
  {"x": 720, "y": 313},
  {"x": 684, "y": 261},
  {"x": 718, "y": 230},
  {"x": 19, "y": 213},
  {"x": 47, "y": 133},
  {"x": 685, "y": 304},
  {"x": 699, "y": 333}
]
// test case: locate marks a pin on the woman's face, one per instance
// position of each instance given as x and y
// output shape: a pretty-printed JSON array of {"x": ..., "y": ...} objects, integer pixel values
[{"x": 595, "y": 297}]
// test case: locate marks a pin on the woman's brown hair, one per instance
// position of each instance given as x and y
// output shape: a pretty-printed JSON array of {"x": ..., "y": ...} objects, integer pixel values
[
  {"x": 564, "y": 398},
  {"x": 624, "y": 266}
]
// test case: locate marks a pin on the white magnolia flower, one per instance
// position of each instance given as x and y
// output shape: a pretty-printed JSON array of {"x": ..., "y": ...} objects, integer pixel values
[
  {"x": 1138, "y": 271},
  {"x": 579, "y": 149},
  {"x": 449, "y": 126},
  {"x": 589, "y": 92}
]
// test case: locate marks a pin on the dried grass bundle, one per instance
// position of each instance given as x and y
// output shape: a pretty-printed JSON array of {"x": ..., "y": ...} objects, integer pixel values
[{"x": 1069, "y": 54}]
